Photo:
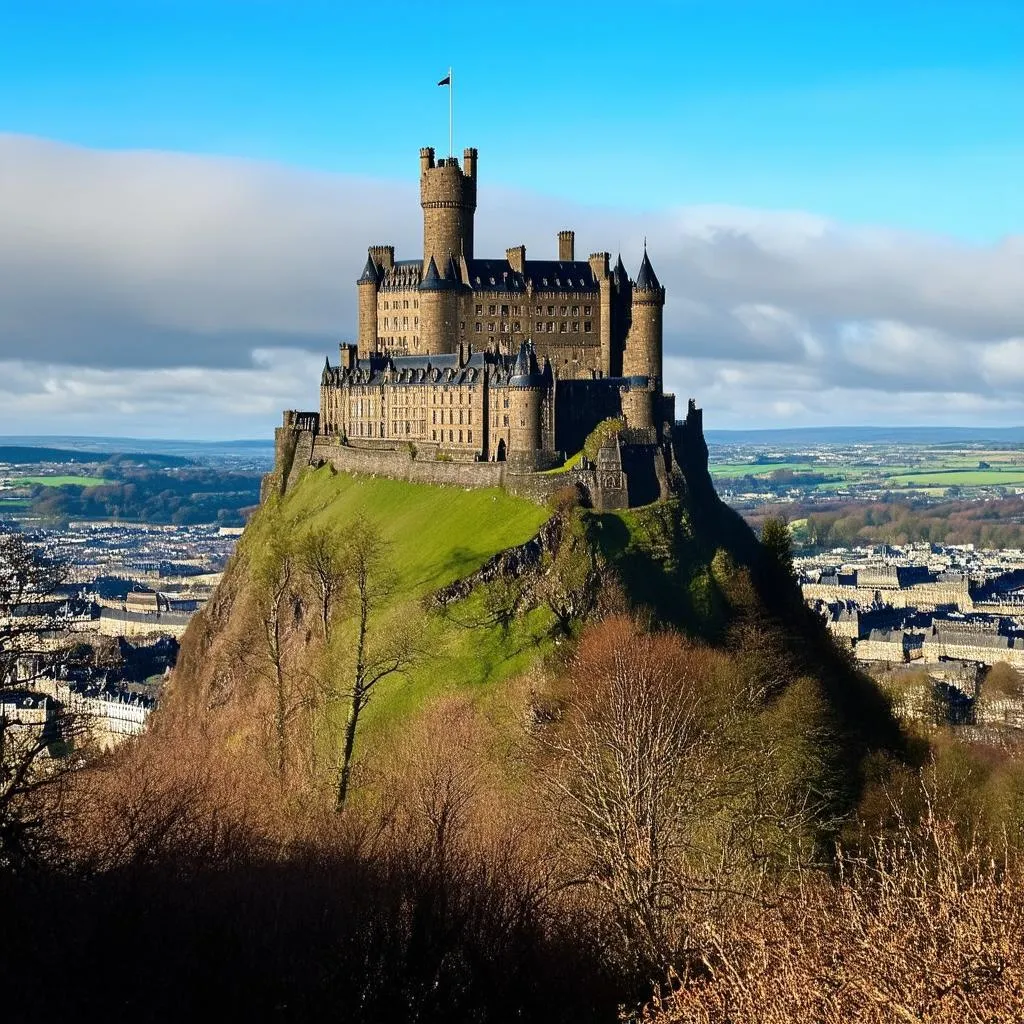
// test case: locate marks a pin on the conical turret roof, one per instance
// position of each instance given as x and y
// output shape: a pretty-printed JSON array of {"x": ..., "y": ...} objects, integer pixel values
[
  {"x": 525, "y": 371},
  {"x": 451, "y": 272},
  {"x": 369, "y": 272},
  {"x": 619, "y": 275},
  {"x": 647, "y": 280},
  {"x": 431, "y": 279}
]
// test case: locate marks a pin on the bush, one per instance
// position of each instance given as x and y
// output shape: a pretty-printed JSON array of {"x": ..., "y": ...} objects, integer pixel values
[{"x": 601, "y": 433}]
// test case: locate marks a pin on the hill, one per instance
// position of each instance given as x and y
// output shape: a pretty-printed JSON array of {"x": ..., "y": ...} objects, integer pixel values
[{"x": 689, "y": 564}]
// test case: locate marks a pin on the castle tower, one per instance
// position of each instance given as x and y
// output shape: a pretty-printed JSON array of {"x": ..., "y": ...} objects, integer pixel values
[
  {"x": 439, "y": 309},
  {"x": 448, "y": 198},
  {"x": 638, "y": 404},
  {"x": 368, "y": 283},
  {"x": 525, "y": 394},
  {"x": 643, "y": 354}
]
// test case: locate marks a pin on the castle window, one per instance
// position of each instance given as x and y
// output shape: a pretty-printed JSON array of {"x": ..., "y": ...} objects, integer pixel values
[
  {"x": 561, "y": 328},
  {"x": 433, "y": 417},
  {"x": 505, "y": 406},
  {"x": 551, "y": 327},
  {"x": 415, "y": 321},
  {"x": 433, "y": 435},
  {"x": 575, "y": 310},
  {"x": 469, "y": 436},
  {"x": 385, "y": 303},
  {"x": 460, "y": 437},
  {"x": 587, "y": 326},
  {"x": 586, "y": 311},
  {"x": 505, "y": 420},
  {"x": 561, "y": 310},
  {"x": 504, "y": 310},
  {"x": 405, "y": 322},
  {"x": 540, "y": 309},
  {"x": 460, "y": 416},
  {"x": 415, "y": 303},
  {"x": 405, "y": 304},
  {"x": 479, "y": 310},
  {"x": 575, "y": 327},
  {"x": 451, "y": 435},
  {"x": 462, "y": 325},
  {"x": 491, "y": 309},
  {"x": 516, "y": 326},
  {"x": 551, "y": 310},
  {"x": 504, "y": 327},
  {"x": 490, "y": 328},
  {"x": 479, "y": 327}
]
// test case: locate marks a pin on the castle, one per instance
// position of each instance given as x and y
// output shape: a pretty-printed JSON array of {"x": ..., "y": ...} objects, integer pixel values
[{"x": 486, "y": 372}]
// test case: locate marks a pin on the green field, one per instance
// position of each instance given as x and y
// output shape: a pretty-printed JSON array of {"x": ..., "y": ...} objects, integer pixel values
[
  {"x": 61, "y": 481},
  {"x": 931, "y": 475}
]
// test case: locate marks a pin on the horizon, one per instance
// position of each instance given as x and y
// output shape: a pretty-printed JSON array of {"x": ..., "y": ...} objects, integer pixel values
[{"x": 831, "y": 198}]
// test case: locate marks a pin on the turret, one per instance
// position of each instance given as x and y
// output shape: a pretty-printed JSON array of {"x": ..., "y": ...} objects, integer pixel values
[
  {"x": 368, "y": 283},
  {"x": 439, "y": 308},
  {"x": 526, "y": 395},
  {"x": 643, "y": 354},
  {"x": 448, "y": 198}
]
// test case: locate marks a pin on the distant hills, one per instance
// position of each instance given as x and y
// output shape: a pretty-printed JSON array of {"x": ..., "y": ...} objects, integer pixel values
[{"x": 23, "y": 455}]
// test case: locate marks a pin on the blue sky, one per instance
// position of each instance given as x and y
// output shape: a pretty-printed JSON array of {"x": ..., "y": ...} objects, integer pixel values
[
  {"x": 832, "y": 193},
  {"x": 908, "y": 114}
]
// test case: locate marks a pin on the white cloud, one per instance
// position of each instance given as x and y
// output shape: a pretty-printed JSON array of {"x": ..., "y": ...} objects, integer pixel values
[{"x": 157, "y": 292}]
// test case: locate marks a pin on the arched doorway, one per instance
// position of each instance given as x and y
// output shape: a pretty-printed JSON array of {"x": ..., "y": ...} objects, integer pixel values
[{"x": 501, "y": 450}]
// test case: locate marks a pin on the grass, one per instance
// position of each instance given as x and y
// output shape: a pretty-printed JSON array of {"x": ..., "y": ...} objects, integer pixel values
[
  {"x": 1010, "y": 476},
  {"x": 570, "y": 463},
  {"x": 61, "y": 481},
  {"x": 436, "y": 535}
]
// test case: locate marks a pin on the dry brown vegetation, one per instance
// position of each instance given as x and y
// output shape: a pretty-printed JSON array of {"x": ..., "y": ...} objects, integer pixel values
[{"x": 668, "y": 809}]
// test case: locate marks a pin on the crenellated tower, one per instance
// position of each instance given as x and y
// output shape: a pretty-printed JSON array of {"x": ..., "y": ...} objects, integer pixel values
[{"x": 448, "y": 199}]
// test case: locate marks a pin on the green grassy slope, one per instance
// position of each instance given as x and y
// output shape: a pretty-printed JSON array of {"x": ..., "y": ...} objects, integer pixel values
[{"x": 435, "y": 535}]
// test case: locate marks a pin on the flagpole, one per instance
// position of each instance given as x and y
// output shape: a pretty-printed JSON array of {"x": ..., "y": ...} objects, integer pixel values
[{"x": 451, "y": 102}]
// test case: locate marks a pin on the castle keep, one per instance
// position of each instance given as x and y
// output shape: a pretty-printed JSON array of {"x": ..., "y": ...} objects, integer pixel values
[{"x": 485, "y": 371}]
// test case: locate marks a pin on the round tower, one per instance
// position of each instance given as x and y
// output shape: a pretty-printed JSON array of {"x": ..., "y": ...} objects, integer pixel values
[
  {"x": 439, "y": 309},
  {"x": 448, "y": 198},
  {"x": 637, "y": 398},
  {"x": 525, "y": 398},
  {"x": 368, "y": 283},
  {"x": 643, "y": 354}
]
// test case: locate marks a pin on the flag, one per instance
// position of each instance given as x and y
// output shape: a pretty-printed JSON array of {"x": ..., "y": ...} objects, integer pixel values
[{"x": 447, "y": 80}]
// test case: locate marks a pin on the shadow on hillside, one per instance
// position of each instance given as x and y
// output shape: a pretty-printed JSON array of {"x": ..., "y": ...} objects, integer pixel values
[{"x": 313, "y": 936}]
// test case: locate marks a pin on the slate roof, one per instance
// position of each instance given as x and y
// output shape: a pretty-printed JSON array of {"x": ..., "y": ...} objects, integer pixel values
[
  {"x": 646, "y": 279},
  {"x": 370, "y": 272},
  {"x": 546, "y": 276}
]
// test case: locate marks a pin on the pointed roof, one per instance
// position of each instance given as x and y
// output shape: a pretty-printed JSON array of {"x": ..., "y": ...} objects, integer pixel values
[
  {"x": 647, "y": 280},
  {"x": 451, "y": 272},
  {"x": 619, "y": 275},
  {"x": 431, "y": 279},
  {"x": 369, "y": 272},
  {"x": 525, "y": 371}
]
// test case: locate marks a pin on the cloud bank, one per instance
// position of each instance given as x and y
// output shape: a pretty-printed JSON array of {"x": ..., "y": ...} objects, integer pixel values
[{"x": 154, "y": 293}]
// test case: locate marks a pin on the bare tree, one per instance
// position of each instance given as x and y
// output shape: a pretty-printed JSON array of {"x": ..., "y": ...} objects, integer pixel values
[
  {"x": 377, "y": 653},
  {"x": 323, "y": 562},
  {"x": 277, "y": 612},
  {"x": 670, "y": 805},
  {"x": 33, "y": 643}
]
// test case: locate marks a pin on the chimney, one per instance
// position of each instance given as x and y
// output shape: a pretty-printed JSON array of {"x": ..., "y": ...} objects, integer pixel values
[
  {"x": 346, "y": 355},
  {"x": 567, "y": 246},
  {"x": 516, "y": 257}
]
